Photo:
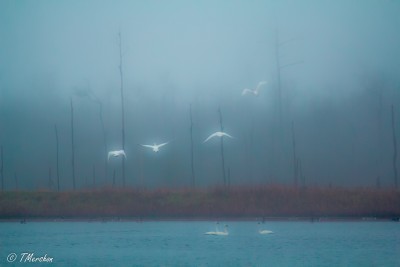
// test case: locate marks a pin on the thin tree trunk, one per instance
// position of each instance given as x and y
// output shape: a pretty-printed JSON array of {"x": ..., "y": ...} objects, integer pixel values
[
  {"x": 191, "y": 149},
  {"x": 113, "y": 183},
  {"x": 16, "y": 181},
  {"x": 103, "y": 129},
  {"x": 2, "y": 169},
  {"x": 94, "y": 177},
  {"x": 73, "y": 147},
  {"x": 295, "y": 167},
  {"x": 50, "y": 180},
  {"x": 122, "y": 106},
  {"x": 394, "y": 149},
  {"x": 229, "y": 177},
  {"x": 57, "y": 159},
  {"x": 222, "y": 146},
  {"x": 278, "y": 70}
]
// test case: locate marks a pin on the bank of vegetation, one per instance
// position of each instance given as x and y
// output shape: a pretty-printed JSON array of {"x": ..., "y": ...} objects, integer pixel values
[{"x": 235, "y": 202}]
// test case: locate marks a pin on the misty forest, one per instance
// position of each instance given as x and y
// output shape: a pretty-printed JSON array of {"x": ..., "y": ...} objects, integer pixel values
[{"x": 309, "y": 92}]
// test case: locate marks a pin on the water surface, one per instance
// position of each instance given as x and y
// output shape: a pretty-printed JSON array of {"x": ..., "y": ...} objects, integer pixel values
[{"x": 184, "y": 243}]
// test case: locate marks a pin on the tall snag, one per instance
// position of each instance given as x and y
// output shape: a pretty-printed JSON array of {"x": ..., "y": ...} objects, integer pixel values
[
  {"x": 72, "y": 147},
  {"x": 57, "y": 158},
  {"x": 122, "y": 106},
  {"x": 222, "y": 146},
  {"x": 191, "y": 148},
  {"x": 394, "y": 149}
]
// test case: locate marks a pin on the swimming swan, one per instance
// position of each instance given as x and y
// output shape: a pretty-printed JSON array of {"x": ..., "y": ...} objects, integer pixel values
[
  {"x": 264, "y": 232},
  {"x": 217, "y": 232}
]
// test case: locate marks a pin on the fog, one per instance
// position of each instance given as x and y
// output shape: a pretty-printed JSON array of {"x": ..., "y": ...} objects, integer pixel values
[{"x": 336, "y": 64}]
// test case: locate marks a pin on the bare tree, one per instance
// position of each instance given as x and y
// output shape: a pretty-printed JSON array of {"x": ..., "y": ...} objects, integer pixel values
[
  {"x": 122, "y": 105},
  {"x": 222, "y": 146},
  {"x": 191, "y": 147},
  {"x": 394, "y": 149},
  {"x": 16, "y": 181},
  {"x": 57, "y": 159},
  {"x": 295, "y": 161},
  {"x": 73, "y": 147},
  {"x": 50, "y": 182},
  {"x": 279, "y": 145},
  {"x": 94, "y": 176}
]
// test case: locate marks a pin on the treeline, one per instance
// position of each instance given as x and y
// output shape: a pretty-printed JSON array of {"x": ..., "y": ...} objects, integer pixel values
[{"x": 236, "y": 202}]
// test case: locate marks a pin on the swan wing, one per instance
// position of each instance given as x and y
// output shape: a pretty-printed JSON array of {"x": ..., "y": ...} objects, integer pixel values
[
  {"x": 225, "y": 134},
  {"x": 260, "y": 84},
  {"x": 148, "y": 146},
  {"x": 110, "y": 154},
  {"x": 163, "y": 144},
  {"x": 211, "y": 136},
  {"x": 246, "y": 91}
]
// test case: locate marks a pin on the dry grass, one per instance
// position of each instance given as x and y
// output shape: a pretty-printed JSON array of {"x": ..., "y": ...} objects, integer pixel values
[{"x": 239, "y": 202}]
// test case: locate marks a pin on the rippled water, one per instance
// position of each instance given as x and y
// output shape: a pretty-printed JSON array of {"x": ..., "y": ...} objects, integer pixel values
[{"x": 184, "y": 244}]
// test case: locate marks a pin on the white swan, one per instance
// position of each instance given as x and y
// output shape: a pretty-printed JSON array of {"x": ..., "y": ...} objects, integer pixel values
[
  {"x": 219, "y": 134},
  {"x": 256, "y": 91},
  {"x": 155, "y": 147},
  {"x": 217, "y": 232},
  {"x": 116, "y": 153},
  {"x": 264, "y": 232}
]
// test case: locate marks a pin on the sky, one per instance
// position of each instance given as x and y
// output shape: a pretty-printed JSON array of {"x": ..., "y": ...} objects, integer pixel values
[{"x": 337, "y": 94}]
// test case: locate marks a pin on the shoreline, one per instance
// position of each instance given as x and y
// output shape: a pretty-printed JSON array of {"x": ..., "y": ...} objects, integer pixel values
[{"x": 200, "y": 219}]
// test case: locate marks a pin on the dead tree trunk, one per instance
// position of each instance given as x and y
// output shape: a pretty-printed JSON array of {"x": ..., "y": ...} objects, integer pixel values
[
  {"x": 50, "y": 185},
  {"x": 16, "y": 181},
  {"x": 2, "y": 169},
  {"x": 103, "y": 129},
  {"x": 394, "y": 149},
  {"x": 72, "y": 147},
  {"x": 295, "y": 162},
  {"x": 57, "y": 159},
  {"x": 122, "y": 106},
  {"x": 222, "y": 147},
  {"x": 94, "y": 177},
  {"x": 191, "y": 149},
  {"x": 278, "y": 70}
]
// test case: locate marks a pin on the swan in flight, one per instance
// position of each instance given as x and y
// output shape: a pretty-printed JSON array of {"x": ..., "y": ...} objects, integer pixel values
[
  {"x": 219, "y": 134},
  {"x": 217, "y": 232},
  {"x": 264, "y": 232},
  {"x": 256, "y": 91},
  {"x": 155, "y": 147},
  {"x": 116, "y": 153}
]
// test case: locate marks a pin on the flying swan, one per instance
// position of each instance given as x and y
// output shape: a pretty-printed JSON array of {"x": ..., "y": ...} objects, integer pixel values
[
  {"x": 256, "y": 91},
  {"x": 155, "y": 147},
  {"x": 116, "y": 153},
  {"x": 219, "y": 134}
]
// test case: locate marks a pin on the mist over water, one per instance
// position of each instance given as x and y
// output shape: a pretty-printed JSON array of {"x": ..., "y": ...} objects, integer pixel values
[{"x": 339, "y": 77}]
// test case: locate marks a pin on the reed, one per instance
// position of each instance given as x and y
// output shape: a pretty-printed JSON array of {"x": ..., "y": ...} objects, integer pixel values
[{"x": 214, "y": 202}]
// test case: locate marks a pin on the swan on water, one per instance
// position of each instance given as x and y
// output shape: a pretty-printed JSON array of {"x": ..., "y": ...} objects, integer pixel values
[
  {"x": 255, "y": 91},
  {"x": 116, "y": 153},
  {"x": 217, "y": 232},
  {"x": 264, "y": 232},
  {"x": 218, "y": 134}
]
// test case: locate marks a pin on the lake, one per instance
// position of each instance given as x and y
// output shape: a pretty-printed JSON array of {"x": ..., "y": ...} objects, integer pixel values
[{"x": 183, "y": 243}]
